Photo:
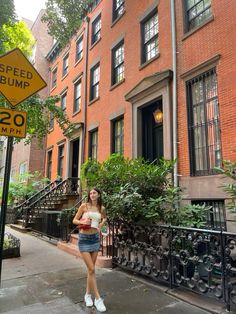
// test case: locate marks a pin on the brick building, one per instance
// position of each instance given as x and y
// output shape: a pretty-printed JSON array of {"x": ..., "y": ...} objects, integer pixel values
[
  {"x": 30, "y": 158},
  {"x": 135, "y": 82}
]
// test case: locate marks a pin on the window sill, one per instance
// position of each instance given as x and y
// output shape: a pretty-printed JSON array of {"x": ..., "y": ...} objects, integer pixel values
[
  {"x": 54, "y": 87},
  {"x": 149, "y": 61},
  {"x": 117, "y": 19},
  {"x": 197, "y": 28},
  {"x": 78, "y": 61},
  {"x": 117, "y": 84},
  {"x": 93, "y": 100},
  {"x": 95, "y": 43},
  {"x": 75, "y": 113},
  {"x": 63, "y": 77}
]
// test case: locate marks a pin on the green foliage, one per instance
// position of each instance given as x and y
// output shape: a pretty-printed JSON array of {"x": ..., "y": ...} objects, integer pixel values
[
  {"x": 7, "y": 244},
  {"x": 16, "y": 35},
  {"x": 63, "y": 18},
  {"x": 7, "y": 12},
  {"x": 135, "y": 190},
  {"x": 24, "y": 186},
  {"x": 229, "y": 170}
]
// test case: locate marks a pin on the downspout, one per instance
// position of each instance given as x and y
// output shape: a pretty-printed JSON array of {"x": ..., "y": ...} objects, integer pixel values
[
  {"x": 174, "y": 93},
  {"x": 85, "y": 90}
]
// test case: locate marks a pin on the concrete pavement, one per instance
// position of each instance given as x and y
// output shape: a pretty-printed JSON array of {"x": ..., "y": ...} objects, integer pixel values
[{"x": 47, "y": 280}]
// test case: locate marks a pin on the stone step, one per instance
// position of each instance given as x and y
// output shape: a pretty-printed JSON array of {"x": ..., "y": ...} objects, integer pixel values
[{"x": 102, "y": 261}]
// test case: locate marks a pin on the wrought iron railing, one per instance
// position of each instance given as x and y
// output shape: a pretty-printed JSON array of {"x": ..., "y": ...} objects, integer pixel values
[
  {"x": 203, "y": 261},
  {"x": 49, "y": 198}
]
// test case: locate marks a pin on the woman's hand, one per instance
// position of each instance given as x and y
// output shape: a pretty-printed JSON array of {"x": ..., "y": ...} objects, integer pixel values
[{"x": 85, "y": 221}]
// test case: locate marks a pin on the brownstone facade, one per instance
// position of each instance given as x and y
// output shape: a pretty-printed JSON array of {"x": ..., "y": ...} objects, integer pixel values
[{"x": 117, "y": 73}]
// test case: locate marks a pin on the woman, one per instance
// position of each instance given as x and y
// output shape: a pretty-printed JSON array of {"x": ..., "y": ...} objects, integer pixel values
[{"x": 90, "y": 217}]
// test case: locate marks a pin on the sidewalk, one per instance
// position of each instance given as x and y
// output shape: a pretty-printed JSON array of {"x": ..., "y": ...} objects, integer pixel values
[{"x": 47, "y": 280}]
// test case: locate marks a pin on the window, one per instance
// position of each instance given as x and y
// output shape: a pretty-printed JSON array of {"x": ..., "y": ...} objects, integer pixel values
[
  {"x": 51, "y": 120},
  {"x": 54, "y": 78},
  {"x": 23, "y": 168},
  {"x": 60, "y": 161},
  {"x": 204, "y": 124},
  {"x": 96, "y": 29},
  {"x": 118, "y": 8},
  {"x": 118, "y": 136},
  {"x": 49, "y": 165},
  {"x": 63, "y": 101},
  {"x": 95, "y": 78},
  {"x": 93, "y": 144},
  {"x": 77, "y": 96},
  {"x": 150, "y": 30},
  {"x": 118, "y": 63},
  {"x": 79, "y": 49},
  {"x": 216, "y": 215},
  {"x": 65, "y": 65},
  {"x": 197, "y": 11}
]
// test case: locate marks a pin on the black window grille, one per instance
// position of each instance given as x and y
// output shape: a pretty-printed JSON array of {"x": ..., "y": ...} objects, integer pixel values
[
  {"x": 65, "y": 65},
  {"x": 93, "y": 141},
  {"x": 149, "y": 32},
  {"x": 60, "y": 161},
  {"x": 215, "y": 217},
  {"x": 96, "y": 29},
  {"x": 77, "y": 96},
  {"x": 118, "y": 68},
  {"x": 79, "y": 49},
  {"x": 118, "y": 8},
  {"x": 204, "y": 124},
  {"x": 95, "y": 78},
  {"x": 197, "y": 11},
  {"x": 118, "y": 136}
]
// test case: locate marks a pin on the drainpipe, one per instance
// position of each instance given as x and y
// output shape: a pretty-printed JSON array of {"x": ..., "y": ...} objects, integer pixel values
[
  {"x": 84, "y": 131},
  {"x": 174, "y": 93}
]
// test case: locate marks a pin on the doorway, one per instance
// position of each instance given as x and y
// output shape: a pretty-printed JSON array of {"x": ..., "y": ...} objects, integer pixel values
[
  {"x": 152, "y": 132},
  {"x": 75, "y": 159}
]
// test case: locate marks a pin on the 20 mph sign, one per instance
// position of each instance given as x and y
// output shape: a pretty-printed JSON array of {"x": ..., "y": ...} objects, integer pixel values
[
  {"x": 12, "y": 123},
  {"x": 18, "y": 78}
]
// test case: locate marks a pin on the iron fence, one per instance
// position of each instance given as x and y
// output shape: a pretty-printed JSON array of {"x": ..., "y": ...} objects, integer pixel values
[{"x": 203, "y": 261}]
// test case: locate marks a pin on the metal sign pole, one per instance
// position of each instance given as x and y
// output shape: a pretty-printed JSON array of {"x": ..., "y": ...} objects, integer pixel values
[{"x": 5, "y": 197}]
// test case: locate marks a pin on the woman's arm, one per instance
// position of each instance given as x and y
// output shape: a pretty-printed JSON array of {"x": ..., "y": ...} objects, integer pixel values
[
  {"x": 76, "y": 220},
  {"x": 104, "y": 217}
]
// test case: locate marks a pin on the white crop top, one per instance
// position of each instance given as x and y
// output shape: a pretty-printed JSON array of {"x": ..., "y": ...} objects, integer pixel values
[{"x": 94, "y": 216}]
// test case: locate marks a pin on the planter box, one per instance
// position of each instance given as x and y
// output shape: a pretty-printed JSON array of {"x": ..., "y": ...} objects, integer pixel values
[{"x": 14, "y": 247}]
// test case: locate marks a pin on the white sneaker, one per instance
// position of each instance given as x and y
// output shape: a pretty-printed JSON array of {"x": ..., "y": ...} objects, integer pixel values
[
  {"x": 88, "y": 300},
  {"x": 100, "y": 305}
]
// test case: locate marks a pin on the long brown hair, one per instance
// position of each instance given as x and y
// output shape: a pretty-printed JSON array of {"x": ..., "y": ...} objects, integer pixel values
[{"x": 99, "y": 200}]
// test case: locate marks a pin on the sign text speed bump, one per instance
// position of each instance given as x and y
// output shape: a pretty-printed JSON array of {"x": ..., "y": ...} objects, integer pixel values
[{"x": 18, "y": 78}]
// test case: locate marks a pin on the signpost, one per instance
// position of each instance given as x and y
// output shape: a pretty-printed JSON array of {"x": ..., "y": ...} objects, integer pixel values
[{"x": 18, "y": 81}]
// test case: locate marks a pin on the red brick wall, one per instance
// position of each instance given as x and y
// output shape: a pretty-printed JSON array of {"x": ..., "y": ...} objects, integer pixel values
[{"x": 216, "y": 37}]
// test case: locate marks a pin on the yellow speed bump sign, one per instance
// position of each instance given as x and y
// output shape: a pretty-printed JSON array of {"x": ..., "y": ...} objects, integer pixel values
[
  {"x": 18, "y": 78},
  {"x": 12, "y": 123}
]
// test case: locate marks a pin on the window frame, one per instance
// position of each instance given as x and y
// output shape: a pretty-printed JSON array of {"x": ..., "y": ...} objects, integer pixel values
[
  {"x": 115, "y": 10},
  {"x": 114, "y": 79},
  {"x": 63, "y": 100},
  {"x": 188, "y": 26},
  {"x": 49, "y": 164},
  {"x": 54, "y": 78},
  {"x": 65, "y": 65},
  {"x": 79, "y": 53},
  {"x": 76, "y": 98},
  {"x": 96, "y": 34},
  {"x": 93, "y": 147},
  {"x": 201, "y": 107},
  {"x": 119, "y": 136},
  {"x": 144, "y": 58},
  {"x": 60, "y": 160},
  {"x": 94, "y": 86}
]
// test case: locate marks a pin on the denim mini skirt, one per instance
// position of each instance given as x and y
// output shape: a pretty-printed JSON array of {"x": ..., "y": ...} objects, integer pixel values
[{"x": 89, "y": 242}]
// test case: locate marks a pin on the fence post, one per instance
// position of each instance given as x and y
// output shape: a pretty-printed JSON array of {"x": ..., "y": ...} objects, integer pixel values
[{"x": 224, "y": 281}]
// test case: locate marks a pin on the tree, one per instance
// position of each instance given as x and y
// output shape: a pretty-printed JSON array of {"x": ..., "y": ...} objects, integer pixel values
[
  {"x": 7, "y": 12},
  {"x": 63, "y": 17},
  {"x": 16, "y": 35}
]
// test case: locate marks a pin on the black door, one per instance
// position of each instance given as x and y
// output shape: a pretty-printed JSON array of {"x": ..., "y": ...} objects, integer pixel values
[
  {"x": 152, "y": 134},
  {"x": 75, "y": 159}
]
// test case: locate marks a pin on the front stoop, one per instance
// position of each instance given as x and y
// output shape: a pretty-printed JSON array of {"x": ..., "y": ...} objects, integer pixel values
[{"x": 71, "y": 248}]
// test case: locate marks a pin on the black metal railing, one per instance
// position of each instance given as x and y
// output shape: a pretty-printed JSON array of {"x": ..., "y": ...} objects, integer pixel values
[{"x": 203, "y": 261}]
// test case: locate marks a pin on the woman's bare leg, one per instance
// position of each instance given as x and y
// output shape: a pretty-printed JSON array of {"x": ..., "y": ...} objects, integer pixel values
[{"x": 89, "y": 259}]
